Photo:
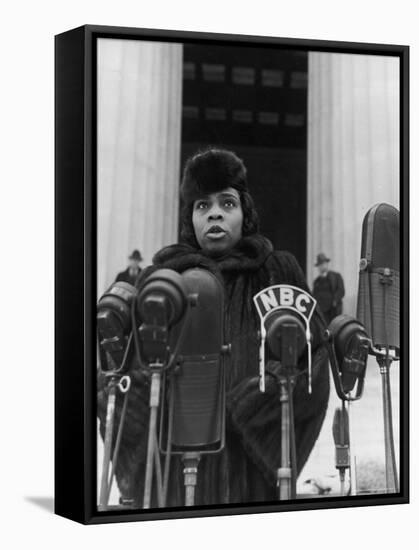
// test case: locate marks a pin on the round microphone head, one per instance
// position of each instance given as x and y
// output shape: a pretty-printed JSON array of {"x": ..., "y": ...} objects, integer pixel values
[
  {"x": 117, "y": 302},
  {"x": 167, "y": 287},
  {"x": 378, "y": 305},
  {"x": 380, "y": 247},
  {"x": 113, "y": 322},
  {"x": 274, "y": 322},
  {"x": 343, "y": 329}
]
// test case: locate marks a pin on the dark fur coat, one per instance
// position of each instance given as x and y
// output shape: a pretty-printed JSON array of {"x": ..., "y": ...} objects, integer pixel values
[{"x": 245, "y": 471}]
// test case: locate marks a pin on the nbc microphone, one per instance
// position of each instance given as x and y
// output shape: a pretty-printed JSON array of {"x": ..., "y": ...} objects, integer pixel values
[{"x": 285, "y": 312}]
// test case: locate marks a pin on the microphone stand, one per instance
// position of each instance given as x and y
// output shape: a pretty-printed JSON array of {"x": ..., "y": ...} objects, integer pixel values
[
  {"x": 123, "y": 383},
  {"x": 110, "y": 416},
  {"x": 286, "y": 478},
  {"x": 384, "y": 361},
  {"x": 154, "y": 336},
  {"x": 353, "y": 479},
  {"x": 190, "y": 472},
  {"x": 342, "y": 450},
  {"x": 153, "y": 457},
  {"x": 284, "y": 472}
]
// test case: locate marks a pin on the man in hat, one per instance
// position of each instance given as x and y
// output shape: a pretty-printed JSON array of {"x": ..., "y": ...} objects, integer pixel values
[
  {"x": 133, "y": 270},
  {"x": 328, "y": 288}
]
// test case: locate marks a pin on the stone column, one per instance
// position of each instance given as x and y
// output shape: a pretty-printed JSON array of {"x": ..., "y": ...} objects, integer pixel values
[
  {"x": 139, "y": 135},
  {"x": 353, "y": 155},
  {"x": 353, "y": 163}
]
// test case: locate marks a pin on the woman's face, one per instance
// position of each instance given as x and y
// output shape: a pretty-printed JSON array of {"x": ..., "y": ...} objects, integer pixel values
[{"x": 217, "y": 220}]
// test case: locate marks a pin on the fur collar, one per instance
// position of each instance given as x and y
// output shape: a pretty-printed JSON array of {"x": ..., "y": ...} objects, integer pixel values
[{"x": 249, "y": 254}]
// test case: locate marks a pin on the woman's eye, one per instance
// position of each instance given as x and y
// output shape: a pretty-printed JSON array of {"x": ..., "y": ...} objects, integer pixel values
[
  {"x": 201, "y": 205},
  {"x": 229, "y": 203}
]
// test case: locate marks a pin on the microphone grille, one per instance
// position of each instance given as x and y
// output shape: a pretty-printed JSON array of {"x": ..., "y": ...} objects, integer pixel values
[
  {"x": 378, "y": 304},
  {"x": 380, "y": 238}
]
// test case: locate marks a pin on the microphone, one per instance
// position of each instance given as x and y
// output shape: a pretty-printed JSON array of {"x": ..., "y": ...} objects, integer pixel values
[
  {"x": 379, "y": 308},
  {"x": 285, "y": 312},
  {"x": 348, "y": 349},
  {"x": 160, "y": 304},
  {"x": 285, "y": 336},
  {"x": 114, "y": 324},
  {"x": 197, "y": 387},
  {"x": 378, "y": 305}
]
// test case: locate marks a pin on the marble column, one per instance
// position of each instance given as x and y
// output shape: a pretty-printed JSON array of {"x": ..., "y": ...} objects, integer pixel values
[
  {"x": 139, "y": 136},
  {"x": 353, "y": 155},
  {"x": 353, "y": 163}
]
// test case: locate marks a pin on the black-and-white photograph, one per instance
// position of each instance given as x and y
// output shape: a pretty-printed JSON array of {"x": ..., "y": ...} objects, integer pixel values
[{"x": 248, "y": 274}]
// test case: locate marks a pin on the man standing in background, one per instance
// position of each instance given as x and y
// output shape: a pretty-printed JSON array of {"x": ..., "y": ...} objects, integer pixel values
[
  {"x": 133, "y": 270},
  {"x": 328, "y": 289}
]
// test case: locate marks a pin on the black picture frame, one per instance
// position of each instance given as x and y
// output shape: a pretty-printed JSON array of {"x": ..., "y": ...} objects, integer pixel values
[{"x": 75, "y": 269}]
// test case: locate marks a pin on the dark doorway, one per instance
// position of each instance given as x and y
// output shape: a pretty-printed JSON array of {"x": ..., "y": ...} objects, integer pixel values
[{"x": 254, "y": 101}]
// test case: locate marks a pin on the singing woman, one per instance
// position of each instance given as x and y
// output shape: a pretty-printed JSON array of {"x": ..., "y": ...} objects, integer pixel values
[{"x": 220, "y": 232}]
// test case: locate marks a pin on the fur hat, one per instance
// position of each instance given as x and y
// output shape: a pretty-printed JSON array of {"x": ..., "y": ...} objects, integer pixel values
[{"x": 211, "y": 171}]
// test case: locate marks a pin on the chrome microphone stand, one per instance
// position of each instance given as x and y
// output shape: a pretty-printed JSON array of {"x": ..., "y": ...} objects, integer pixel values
[
  {"x": 115, "y": 380},
  {"x": 110, "y": 415},
  {"x": 153, "y": 457},
  {"x": 190, "y": 472},
  {"x": 286, "y": 474},
  {"x": 384, "y": 362}
]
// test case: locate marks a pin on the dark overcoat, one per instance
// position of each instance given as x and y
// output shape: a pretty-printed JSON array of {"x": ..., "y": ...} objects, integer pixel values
[
  {"x": 245, "y": 471},
  {"x": 329, "y": 291},
  {"x": 126, "y": 277}
]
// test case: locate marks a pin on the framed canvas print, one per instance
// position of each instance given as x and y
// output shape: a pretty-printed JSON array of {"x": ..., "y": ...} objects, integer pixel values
[{"x": 231, "y": 274}]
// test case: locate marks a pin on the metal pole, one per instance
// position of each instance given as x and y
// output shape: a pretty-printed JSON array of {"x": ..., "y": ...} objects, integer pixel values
[
  {"x": 110, "y": 415},
  {"x": 390, "y": 459},
  {"x": 124, "y": 386},
  {"x": 190, "y": 471},
  {"x": 352, "y": 456},
  {"x": 342, "y": 482},
  {"x": 154, "y": 405},
  {"x": 340, "y": 431},
  {"x": 284, "y": 472}
]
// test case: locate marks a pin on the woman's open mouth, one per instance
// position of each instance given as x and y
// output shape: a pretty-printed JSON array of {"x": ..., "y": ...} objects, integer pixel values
[{"x": 215, "y": 232}]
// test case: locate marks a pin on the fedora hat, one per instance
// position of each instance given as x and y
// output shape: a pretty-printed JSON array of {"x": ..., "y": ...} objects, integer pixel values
[
  {"x": 321, "y": 259},
  {"x": 135, "y": 256}
]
